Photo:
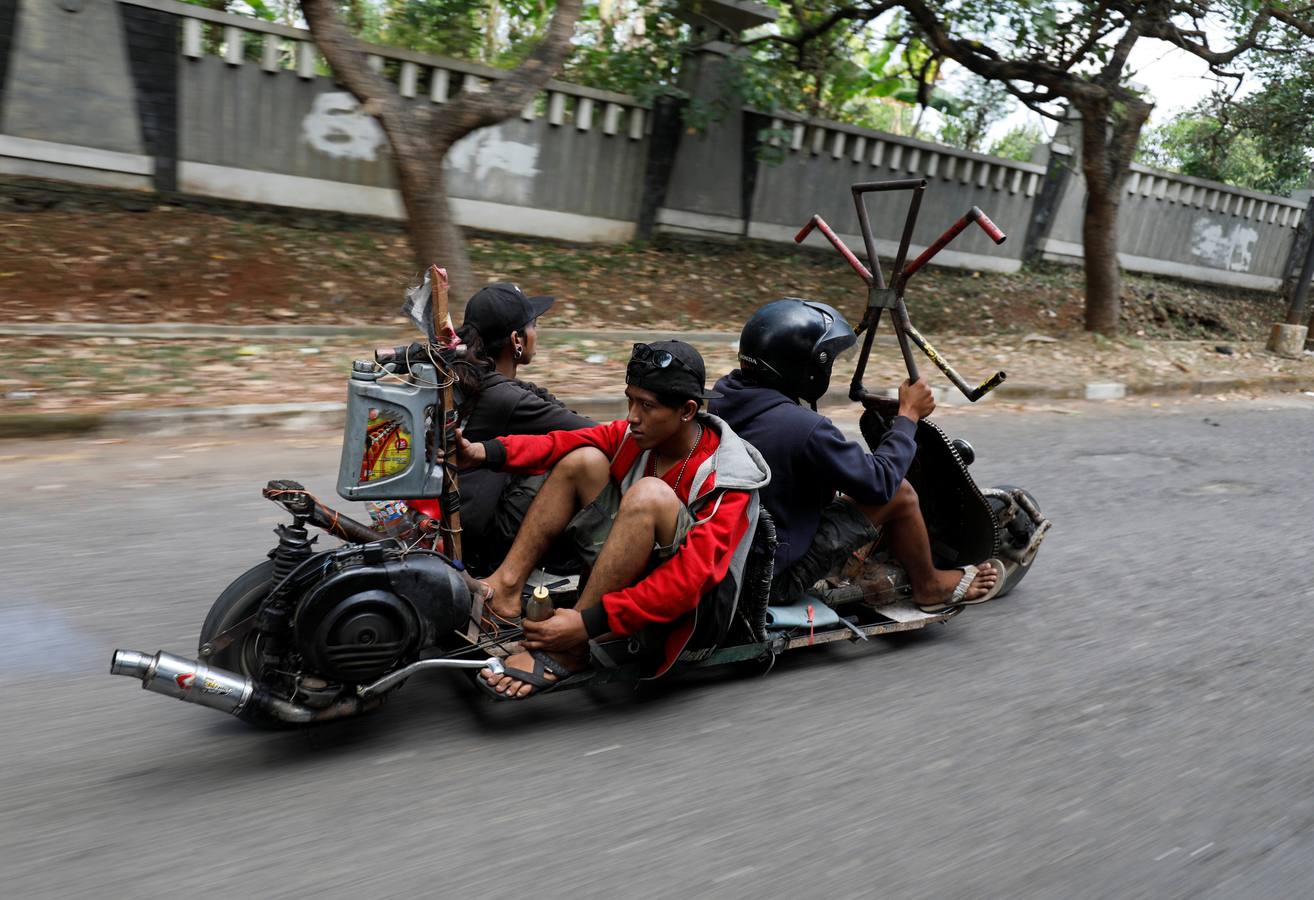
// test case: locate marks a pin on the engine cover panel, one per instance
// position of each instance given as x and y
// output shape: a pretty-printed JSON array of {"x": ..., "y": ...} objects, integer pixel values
[
  {"x": 356, "y": 637},
  {"x": 366, "y": 619}
]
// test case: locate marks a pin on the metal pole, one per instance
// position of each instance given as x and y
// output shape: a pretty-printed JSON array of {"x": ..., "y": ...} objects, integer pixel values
[{"x": 900, "y": 315}]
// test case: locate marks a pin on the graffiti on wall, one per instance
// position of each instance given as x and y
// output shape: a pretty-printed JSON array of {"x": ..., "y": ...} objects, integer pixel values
[
  {"x": 336, "y": 127},
  {"x": 1221, "y": 248},
  {"x": 486, "y": 153}
]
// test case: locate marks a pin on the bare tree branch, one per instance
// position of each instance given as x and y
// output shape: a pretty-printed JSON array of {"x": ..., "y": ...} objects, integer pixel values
[
  {"x": 347, "y": 57},
  {"x": 1301, "y": 20},
  {"x": 508, "y": 96},
  {"x": 1111, "y": 74},
  {"x": 1098, "y": 31},
  {"x": 811, "y": 32},
  {"x": 987, "y": 63}
]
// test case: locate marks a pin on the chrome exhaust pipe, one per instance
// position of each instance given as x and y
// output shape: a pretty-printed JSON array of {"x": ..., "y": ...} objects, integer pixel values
[
  {"x": 195, "y": 682},
  {"x": 186, "y": 679}
]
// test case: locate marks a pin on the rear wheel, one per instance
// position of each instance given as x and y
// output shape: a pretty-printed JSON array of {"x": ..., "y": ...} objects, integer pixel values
[{"x": 238, "y": 601}]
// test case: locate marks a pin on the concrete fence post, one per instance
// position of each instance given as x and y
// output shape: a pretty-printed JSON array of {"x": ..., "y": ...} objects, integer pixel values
[
  {"x": 703, "y": 194},
  {"x": 1058, "y": 173},
  {"x": 667, "y": 126},
  {"x": 1300, "y": 267},
  {"x": 152, "y": 39}
]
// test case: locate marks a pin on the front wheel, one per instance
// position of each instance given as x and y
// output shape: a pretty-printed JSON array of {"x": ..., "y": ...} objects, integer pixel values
[{"x": 239, "y": 600}]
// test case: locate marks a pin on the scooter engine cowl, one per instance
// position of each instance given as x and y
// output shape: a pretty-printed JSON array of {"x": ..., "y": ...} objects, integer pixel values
[{"x": 366, "y": 619}]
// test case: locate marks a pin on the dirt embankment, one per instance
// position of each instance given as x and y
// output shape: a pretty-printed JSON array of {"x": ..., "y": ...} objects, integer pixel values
[{"x": 70, "y": 254}]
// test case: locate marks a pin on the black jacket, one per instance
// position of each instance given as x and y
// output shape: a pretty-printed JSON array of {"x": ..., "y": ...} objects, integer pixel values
[
  {"x": 505, "y": 407},
  {"x": 810, "y": 459}
]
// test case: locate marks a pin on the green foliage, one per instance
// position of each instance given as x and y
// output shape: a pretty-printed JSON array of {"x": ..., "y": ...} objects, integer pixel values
[
  {"x": 633, "y": 50},
  {"x": 1018, "y": 142},
  {"x": 495, "y": 32},
  {"x": 1280, "y": 117},
  {"x": 980, "y": 104},
  {"x": 852, "y": 73},
  {"x": 1262, "y": 141}
]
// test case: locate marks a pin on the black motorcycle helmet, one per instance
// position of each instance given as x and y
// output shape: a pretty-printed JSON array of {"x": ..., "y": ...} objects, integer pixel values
[{"x": 791, "y": 345}]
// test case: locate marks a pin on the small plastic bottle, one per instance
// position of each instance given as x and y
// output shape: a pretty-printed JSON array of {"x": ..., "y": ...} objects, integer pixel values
[{"x": 539, "y": 605}]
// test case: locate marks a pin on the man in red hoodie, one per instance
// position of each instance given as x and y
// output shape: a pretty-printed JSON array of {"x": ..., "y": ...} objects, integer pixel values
[{"x": 661, "y": 506}]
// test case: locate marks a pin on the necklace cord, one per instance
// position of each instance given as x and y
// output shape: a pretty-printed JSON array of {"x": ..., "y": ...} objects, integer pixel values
[{"x": 652, "y": 460}]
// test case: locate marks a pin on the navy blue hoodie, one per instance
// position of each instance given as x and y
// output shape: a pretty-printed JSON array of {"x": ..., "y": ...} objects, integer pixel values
[{"x": 810, "y": 459}]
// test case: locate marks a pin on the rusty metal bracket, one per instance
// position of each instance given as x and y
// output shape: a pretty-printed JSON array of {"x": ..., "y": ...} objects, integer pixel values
[{"x": 881, "y": 298}]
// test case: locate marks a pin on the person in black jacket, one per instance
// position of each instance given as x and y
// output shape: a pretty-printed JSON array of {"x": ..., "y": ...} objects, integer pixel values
[
  {"x": 500, "y": 331},
  {"x": 828, "y": 496}
]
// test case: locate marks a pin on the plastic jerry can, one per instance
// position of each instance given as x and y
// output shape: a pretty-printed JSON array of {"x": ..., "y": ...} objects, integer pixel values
[{"x": 383, "y": 454}]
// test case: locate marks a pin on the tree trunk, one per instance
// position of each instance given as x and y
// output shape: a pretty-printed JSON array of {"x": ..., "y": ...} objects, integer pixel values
[
  {"x": 1099, "y": 223},
  {"x": 435, "y": 237},
  {"x": 1108, "y": 140},
  {"x": 420, "y": 136},
  {"x": 1099, "y": 235}
]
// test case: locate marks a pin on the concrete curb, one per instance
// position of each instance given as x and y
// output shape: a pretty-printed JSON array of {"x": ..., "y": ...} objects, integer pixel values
[
  {"x": 36, "y": 425},
  {"x": 184, "y": 331},
  {"x": 293, "y": 417}
]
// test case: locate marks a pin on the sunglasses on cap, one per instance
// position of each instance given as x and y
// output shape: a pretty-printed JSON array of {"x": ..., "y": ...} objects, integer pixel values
[{"x": 660, "y": 359}]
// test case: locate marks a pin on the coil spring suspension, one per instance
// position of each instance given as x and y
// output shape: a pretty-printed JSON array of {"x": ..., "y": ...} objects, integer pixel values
[{"x": 294, "y": 547}]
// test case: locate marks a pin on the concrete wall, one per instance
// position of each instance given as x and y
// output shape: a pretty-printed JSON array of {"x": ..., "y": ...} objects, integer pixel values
[
  {"x": 822, "y": 159},
  {"x": 68, "y": 101},
  {"x": 1190, "y": 228},
  {"x": 258, "y": 122},
  {"x": 160, "y": 94}
]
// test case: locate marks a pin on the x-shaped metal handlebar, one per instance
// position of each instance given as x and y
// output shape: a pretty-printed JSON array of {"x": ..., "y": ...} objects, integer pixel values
[{"x": 880, "y": 297}]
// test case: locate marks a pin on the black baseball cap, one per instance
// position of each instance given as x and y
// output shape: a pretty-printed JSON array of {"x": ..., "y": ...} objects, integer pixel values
[
  {"x": 496, "y": 310},
  {"x": 669, "y": 367}
]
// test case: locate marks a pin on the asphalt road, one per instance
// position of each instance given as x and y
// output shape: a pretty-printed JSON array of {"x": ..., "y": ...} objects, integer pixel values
[{"x": 1133, "y": 722}]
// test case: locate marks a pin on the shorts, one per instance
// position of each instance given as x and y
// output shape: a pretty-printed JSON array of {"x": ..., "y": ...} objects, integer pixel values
[
  {"x": 843, "y": 531},
  {"x": 591, "y": 526},
  {"x": 512, "y": 505}
]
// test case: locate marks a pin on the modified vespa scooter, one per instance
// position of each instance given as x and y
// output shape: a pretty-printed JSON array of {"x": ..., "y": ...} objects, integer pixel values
[{"x": 313, "y": 635}]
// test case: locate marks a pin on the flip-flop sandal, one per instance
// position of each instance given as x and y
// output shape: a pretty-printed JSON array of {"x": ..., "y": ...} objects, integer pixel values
[
  {"x": 998, "y": 565},
  {"x": 542, "y": 663},
  {"x": 960, "y": 590}
]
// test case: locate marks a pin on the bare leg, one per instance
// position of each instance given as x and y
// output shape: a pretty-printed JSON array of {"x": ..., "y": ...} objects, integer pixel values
[
  {"x": 902, "y": 520},
  {"x": 574, "y": 482},
  {"x": 648, "y": 515}
]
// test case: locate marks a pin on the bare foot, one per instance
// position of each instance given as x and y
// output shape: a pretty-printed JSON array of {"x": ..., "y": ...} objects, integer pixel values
[
  {"x": 504, "y": 602},
  {"x": 507, "y": 684},
  {"x": 946, "y": 580}
]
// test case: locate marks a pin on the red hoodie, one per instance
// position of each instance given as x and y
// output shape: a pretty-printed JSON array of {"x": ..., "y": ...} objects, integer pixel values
[{"x": 676, "y": 586}]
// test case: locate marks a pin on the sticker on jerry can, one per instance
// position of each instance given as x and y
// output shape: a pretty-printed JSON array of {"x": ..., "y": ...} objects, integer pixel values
[{"x": 387, "y": 446}]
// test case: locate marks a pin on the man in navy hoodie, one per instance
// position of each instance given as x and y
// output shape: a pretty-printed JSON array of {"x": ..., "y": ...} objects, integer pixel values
[{"x": 828, "y": 496}]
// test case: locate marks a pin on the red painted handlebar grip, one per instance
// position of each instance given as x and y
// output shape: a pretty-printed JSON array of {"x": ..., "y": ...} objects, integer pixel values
[
  {"x": 990, "y": 228},
  {"x": 820, "y": 224}
]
